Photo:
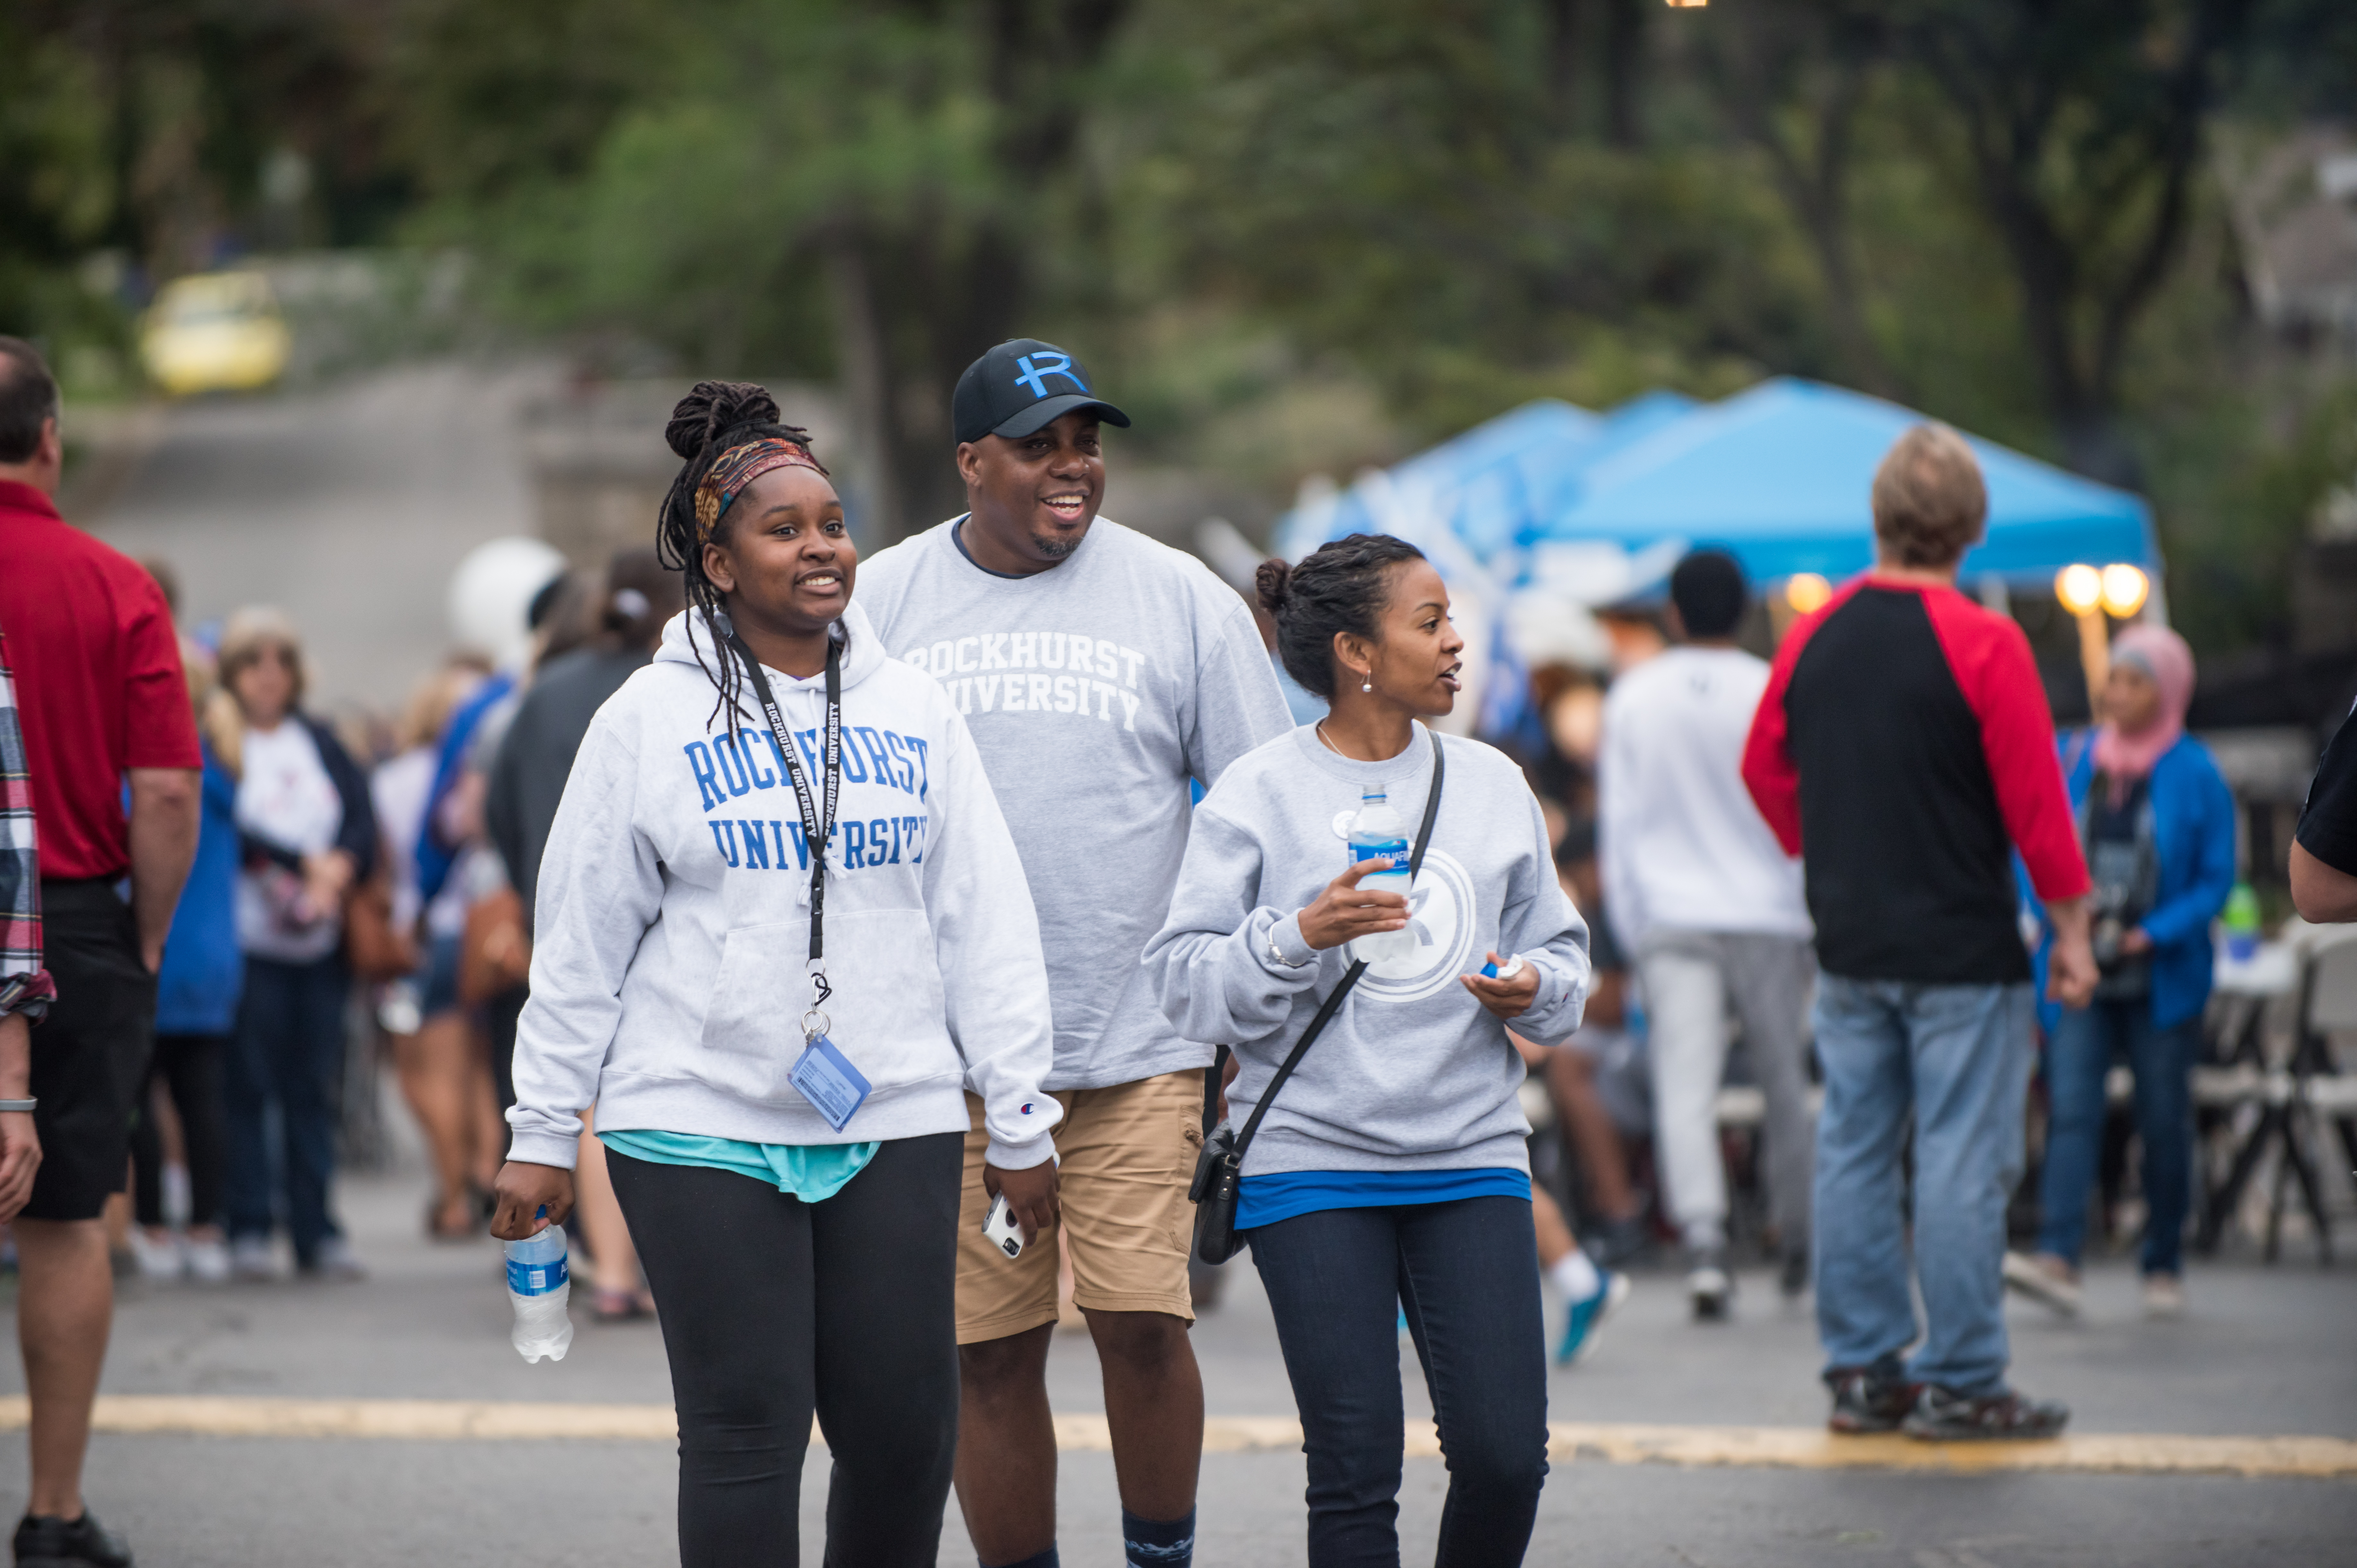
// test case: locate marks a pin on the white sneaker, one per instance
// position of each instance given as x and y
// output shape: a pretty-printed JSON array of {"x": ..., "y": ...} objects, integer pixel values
[
  {"x": 2164, "y": 1295},
  {"x": 208, "y": 1259},
  {"x": 158, "y": 1257},
  {"x": 2044, "y": 1280},
  {"x": 251, "y": 1258}
]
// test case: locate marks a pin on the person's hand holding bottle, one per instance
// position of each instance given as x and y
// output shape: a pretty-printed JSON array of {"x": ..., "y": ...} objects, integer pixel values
[{"x": 1343, "y": 911}]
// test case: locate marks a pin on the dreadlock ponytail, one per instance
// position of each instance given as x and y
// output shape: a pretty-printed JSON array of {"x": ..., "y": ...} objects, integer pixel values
[{"x": 712, "y": 419}]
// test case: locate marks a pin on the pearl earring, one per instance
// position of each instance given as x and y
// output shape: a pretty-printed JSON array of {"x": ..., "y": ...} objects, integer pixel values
[{"x": 1367, "y": 685}]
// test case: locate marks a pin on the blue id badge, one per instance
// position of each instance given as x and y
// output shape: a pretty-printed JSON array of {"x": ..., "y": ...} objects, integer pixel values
[{"x": 825, "y": 1078}]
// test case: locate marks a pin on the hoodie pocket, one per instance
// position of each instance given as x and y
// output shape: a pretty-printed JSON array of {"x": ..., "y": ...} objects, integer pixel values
[{"x": 885, "y": 1014}]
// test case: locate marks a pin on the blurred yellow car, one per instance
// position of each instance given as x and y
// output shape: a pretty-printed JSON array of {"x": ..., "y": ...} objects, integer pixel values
[{"x": 215, "y": 332}]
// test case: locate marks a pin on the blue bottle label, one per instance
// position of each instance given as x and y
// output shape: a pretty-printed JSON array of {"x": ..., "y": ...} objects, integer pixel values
[
  {"x": 537, "y": 1279},
  {"x": 1393, "y": 852}
]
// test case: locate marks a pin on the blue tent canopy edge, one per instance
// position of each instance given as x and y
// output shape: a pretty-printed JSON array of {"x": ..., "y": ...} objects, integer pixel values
[{"x": 1778, "y": 474}]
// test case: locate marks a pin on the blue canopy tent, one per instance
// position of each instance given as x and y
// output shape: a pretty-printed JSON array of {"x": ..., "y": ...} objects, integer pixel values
[
  {"x": 1780, "y": 475},
  {"x": 1492, "y": 487}
]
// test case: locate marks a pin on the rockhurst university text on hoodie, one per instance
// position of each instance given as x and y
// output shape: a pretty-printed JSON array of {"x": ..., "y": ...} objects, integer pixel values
[
  {"x": 1094, "y": 689},
  {"x": 669, "y": 977}
]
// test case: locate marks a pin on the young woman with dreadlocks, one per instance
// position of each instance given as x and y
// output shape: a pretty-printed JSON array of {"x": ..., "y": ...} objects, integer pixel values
[{"x": 781, "y": 927}]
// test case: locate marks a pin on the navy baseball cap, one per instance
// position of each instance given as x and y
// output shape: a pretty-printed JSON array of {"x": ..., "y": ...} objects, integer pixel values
[{"x": 1020, "y": 386}]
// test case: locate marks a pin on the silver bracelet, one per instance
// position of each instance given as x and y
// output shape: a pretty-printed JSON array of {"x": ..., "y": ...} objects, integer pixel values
[
  {"x": 1280, "y": 960},
  {"x": 24, "y": 1105}
]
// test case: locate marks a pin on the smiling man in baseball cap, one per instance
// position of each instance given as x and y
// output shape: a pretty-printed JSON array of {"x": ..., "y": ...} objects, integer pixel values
[
  {"x": 1028, "y": 425},
  {"x": 1099, "y": 671}
]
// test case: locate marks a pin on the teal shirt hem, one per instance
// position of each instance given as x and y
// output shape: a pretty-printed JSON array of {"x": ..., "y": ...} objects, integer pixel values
[{"x": 812, "y": 1172}]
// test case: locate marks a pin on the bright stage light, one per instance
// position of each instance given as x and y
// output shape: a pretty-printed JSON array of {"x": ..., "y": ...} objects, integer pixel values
[
  {"x": 1805, "y": 591},
  {"x": 2080, "y": 587},
  {"x": 2125, "y": 588}
]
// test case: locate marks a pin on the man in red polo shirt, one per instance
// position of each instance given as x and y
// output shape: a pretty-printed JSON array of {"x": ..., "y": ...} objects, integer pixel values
[{"x": 103, "y": 705}]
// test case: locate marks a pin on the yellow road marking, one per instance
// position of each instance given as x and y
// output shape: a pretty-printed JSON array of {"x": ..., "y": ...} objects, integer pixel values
[{"x": 1608, "y": 1443}]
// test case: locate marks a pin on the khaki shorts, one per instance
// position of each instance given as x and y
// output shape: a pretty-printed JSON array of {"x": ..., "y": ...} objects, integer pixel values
[{"x": 1127, "y": 1153}]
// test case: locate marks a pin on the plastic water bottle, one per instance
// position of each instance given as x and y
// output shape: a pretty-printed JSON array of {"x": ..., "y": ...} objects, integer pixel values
[
  {"x": 2241, "y": 920},
  {"x": 538, "y": 1282},
  {"x": 1377, "y": 833}
]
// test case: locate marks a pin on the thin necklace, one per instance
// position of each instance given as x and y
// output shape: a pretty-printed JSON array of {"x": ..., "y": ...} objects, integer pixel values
[{"x": 1320, "y": 728}]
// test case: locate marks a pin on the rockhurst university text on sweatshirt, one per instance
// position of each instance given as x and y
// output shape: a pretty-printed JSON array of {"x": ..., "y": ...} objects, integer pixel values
[
  {"x": 1412, "y": 1073},
  {"x": 670, "y": 973},
  {"x": 1095, "y": 690}
]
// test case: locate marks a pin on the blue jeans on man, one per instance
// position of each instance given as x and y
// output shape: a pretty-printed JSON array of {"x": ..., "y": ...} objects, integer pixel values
[
  {"x": 1955, "y": 1061},
  {"x": 2079, "y": 1057}
]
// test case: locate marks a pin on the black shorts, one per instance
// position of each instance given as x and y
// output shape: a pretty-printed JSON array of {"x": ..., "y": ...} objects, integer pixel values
[{"x": 90, "y": 1054}]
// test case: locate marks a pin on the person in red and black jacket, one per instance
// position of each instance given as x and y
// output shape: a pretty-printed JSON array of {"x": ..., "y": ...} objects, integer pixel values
[{"x": 1903, "y": 750}]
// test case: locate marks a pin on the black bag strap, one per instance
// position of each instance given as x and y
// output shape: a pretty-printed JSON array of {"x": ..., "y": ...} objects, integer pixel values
[
  {"x": 1334, "y": 999},
  {"x": 1211, "y": 1077}
]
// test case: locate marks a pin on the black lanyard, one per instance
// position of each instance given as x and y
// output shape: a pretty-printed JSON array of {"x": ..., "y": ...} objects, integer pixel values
[{"x": 815, "y": 828}]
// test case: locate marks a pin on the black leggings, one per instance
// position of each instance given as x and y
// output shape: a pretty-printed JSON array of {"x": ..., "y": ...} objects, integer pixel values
[
  {"x": 191, "y": 1066},
  {"x": 771, "y": 1308}
]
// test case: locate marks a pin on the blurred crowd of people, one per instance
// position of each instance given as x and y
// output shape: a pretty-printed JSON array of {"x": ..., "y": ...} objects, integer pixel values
[
  {"x": 1702, "y": 1055},
  {"x": 362, "y": 892}
]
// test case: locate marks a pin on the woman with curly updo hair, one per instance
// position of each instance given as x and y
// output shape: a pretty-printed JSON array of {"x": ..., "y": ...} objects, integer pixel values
[{"x": 782, "y": 929}]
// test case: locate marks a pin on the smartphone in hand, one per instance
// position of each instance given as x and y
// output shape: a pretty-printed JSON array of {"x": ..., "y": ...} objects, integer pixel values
[{"x": 1004, "y": 1232}]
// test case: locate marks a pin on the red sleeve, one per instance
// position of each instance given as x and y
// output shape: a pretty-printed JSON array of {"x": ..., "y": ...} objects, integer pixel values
[
  {"x": 1767, "y": 768},
  {"x": 1994, "y": 670},
  {"x": 160, "y": 727}
]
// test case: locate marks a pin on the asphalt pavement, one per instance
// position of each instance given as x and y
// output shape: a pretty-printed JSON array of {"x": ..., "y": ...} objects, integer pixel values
[{"x": 2264, "y": 1352}]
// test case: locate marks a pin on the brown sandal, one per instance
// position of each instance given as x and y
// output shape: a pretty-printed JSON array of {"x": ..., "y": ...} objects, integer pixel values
[{"x": 618, "y": 1306}]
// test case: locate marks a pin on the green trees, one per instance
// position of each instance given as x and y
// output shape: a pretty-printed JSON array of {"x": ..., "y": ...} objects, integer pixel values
[
  {"x": 871, "y": 192},
  {"x": 1408, "y": 214}
]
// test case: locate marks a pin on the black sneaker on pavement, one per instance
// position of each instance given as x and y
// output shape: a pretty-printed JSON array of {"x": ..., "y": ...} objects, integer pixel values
[
  {"x": 1867, "y": 1399},
  {"x": 1941, "y": 1415},
  {"x": 50, "y": 1542},
  {"x": 1710, "y": 1288}
]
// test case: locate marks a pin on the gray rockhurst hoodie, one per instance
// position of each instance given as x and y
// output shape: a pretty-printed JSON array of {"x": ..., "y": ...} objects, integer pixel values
[
  {"x": 1412, "y": 1073},
  {"x": 670, "y": 973}
]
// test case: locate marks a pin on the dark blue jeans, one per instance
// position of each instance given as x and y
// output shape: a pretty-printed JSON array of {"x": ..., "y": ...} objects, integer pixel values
[
  {"x": 2077, "y": 1058},
  {"x": 1466, "y": 1273},
  {"x": 288, "y": 1047}
]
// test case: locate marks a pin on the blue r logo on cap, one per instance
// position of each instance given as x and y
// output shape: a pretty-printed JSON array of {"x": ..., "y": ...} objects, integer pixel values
[{"x": 1050, "y": 364}]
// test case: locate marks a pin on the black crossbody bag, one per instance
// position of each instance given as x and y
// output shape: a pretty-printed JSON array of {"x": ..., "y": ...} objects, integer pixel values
[{"x": 1219, "y": 1173}]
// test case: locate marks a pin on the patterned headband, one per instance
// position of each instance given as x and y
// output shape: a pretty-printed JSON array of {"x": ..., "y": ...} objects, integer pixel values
[{"x": 735, "y": 471}]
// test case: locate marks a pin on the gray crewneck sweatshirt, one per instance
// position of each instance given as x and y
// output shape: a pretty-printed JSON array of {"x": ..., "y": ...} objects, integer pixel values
[
  {"x": 1412, "y": 1072},
  {"x": 1094, "y": 690}
]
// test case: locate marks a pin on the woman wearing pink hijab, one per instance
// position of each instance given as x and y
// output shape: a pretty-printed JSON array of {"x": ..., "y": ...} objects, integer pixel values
[{"x": 2157, "y": 825}]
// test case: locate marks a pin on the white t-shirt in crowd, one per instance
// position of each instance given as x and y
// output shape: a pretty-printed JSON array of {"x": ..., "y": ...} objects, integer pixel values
[
  {"x": 398, "y": 788},
  {"x": 1683, "y": 846},
  {"x": 285, "y": 796}
]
